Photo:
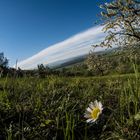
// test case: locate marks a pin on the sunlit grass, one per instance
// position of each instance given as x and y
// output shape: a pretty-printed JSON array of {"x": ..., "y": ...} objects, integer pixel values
[{"x": 53, "y": 108}]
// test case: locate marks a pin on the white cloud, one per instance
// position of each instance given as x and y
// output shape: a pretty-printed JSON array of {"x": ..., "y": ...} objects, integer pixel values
[{"x": 76, "y": 45}]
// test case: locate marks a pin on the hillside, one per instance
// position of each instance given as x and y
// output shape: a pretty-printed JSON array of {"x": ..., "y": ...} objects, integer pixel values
[{"x": 111, "y": 61}]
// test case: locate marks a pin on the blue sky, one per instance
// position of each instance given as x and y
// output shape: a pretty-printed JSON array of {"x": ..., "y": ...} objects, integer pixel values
[{"x": 30, "y": 26}]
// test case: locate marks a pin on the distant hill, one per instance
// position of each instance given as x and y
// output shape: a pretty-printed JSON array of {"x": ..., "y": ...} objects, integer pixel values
[
  {"x": 68, "y": 62},
  {"x": 111, "y": 61},
  {"x": 78, "y": 59},
  {"x": 113, "y": 54}
]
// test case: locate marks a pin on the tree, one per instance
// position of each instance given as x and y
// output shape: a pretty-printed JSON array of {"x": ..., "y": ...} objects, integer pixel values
[
  {"x": 3, "y": 61},
  {"x": 3, "y": 65},
  {"x": 44, "y": 70},
  {"x": 98, "y": 64},
  {"x": 121, "y": 22},
  {"x": 41, "y": 70}
]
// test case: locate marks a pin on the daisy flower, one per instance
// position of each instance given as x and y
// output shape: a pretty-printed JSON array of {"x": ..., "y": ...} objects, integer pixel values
[{"x": 93, "y": 111}]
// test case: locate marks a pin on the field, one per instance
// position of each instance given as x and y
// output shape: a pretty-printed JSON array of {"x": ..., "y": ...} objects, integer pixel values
[
  {"x": 68, "y": 74},
  {"x": 53, "y": 108}
]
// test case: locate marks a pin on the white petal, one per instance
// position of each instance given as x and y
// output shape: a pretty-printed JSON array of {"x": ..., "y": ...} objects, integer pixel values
[
  {"x": 91, "y": 105},
  {"x": 100, "y": 106},
  {"x": 87, "y": 115},
  {"x": 89, "y": 120},
  {"x": 89, "y": 110},
  {"x": 96, "y": 103},
  {"x": 93, "y": 120}
]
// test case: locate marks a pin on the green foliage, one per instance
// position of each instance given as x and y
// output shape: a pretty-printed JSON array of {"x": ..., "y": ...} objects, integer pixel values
[
  {"x": 54, "y": 107},
  {"x": 3, "y": 64},
  {"x": 3, "y": 60},
  {"x": 43, "y": 71}
]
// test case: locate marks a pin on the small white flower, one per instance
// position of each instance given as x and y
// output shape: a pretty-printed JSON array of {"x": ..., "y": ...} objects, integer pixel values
[{"x": 93, "y": 111}]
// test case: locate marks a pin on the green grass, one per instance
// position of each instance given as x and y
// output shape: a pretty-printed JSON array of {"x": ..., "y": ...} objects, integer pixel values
[{"x": 53, "y": 108}]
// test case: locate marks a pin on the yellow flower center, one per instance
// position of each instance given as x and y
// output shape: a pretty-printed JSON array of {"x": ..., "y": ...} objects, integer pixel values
[{"x": 95, "y": 113}]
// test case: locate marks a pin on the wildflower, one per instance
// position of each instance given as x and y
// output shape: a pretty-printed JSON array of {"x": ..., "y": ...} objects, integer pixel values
[{"x": 93, "y": 111}]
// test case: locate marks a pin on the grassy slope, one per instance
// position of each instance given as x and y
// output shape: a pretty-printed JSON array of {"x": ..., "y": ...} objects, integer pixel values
[{"x": 53, "y": 108}]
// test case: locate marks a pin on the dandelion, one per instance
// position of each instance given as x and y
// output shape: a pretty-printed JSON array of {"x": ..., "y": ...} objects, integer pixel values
[{"x": 93, "y": 111}]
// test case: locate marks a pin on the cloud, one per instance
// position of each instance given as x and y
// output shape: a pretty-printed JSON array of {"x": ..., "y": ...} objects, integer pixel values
[{"x": 76, "y": 45}]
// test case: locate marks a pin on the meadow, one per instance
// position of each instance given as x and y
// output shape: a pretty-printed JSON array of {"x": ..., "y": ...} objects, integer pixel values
[
  {"x": 53, "y": 108},
  {"x": 54, "y": 103}
]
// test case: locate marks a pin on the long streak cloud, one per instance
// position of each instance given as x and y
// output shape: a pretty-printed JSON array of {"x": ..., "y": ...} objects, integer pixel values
[{"x": 74, "y": 46}]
